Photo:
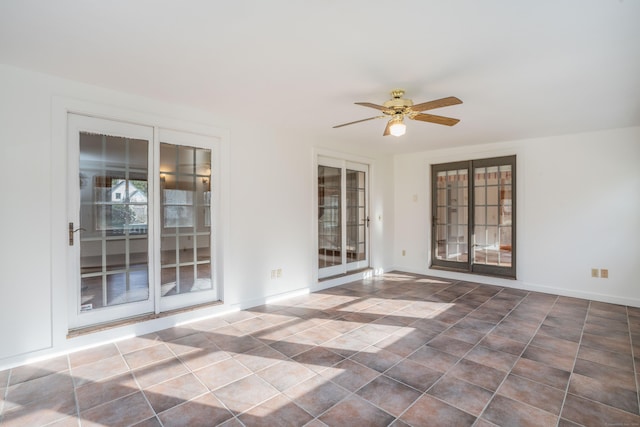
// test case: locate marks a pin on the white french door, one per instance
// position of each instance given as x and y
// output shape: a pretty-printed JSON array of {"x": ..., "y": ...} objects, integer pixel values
[
  {"x": 140, "y": 220},
  {"x": 343, "y": 216},
  {"x": 110, "y": 215},
  {"x": 185, "y": 222}
]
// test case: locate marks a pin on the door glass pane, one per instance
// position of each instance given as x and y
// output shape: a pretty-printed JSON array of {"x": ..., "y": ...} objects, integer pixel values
[
  {"x": 186, "y": 163},
  {"x": 168, "y": 277},
  {"x": 451, "y": 221},
  {"x": 185, "y": 197},
  {"x": 204, "y": 272},
  {"x": 113, "y": 221},
  {"x": 116, "y": 254},
  {"x": 356, "y": 216},
  {"x": 329, "y": 216},
  {"x": 492, "y": 230},
  {"x": 186, "y": 249},
  {"x": 168, "y": 252}
]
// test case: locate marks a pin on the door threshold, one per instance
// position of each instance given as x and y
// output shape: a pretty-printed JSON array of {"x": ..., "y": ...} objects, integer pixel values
[{"x": 136, "y": 319}]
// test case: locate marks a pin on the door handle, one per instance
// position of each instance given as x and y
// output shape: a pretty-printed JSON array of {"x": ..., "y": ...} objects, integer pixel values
[{"x": 71, "y": 231}]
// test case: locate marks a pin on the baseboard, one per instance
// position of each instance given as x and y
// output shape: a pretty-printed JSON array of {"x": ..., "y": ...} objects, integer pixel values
[
  {"x": 527, "y": 286},
  {"x": 244, "y": 305},
  {"x": 347, "y": 278}
]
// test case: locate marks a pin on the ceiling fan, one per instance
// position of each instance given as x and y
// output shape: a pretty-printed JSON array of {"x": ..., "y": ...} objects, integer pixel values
[{"x": 397, "y": 108}]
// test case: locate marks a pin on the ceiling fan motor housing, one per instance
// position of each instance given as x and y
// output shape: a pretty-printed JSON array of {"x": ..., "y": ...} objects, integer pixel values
[{"x": 398, "y": 104}]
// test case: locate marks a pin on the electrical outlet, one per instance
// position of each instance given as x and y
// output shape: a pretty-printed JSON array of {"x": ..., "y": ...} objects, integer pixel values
[
  {"x": 604, "y": 273},
  {"x": 279, "y": 273},
  {"x": 594, "y": 272},
  {"x": 404, "y": 252}
]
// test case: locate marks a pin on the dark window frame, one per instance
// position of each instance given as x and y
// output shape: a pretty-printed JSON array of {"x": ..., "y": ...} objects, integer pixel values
[{"x": 469, "y": 266}]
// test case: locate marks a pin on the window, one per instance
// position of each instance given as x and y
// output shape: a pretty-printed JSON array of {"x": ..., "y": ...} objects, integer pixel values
[{"x": 473, "y": 216}]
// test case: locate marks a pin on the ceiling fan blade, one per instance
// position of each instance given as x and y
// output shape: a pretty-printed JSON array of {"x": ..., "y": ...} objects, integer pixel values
[
  {"x": 358, "y": 121},
  {"x": 444, "y": 102},
  {"x": 370, "y": 105},
  {"x": 435, "y": 119},
  {"x": 387, "y": 129}
]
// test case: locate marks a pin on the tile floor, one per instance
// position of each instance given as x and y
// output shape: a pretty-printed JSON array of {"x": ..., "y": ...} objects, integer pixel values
[{"x": 401, "y": 350}]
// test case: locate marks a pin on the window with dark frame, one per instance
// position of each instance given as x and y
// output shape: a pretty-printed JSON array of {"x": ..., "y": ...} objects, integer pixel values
[{"x": 473, "y": 216}]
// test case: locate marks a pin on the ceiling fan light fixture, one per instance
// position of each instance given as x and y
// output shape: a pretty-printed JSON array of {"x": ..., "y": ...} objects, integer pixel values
[{"x": 397, "y": 127}]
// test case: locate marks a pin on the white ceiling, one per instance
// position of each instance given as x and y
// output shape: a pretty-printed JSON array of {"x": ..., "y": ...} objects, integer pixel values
[{"x": 522, "y": 68}]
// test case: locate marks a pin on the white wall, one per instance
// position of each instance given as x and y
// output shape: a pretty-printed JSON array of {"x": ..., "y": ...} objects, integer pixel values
[
  {"x": 578, "y": 208},
  {"x": 25, "y": 212},
  {"x": 589, "y": 217},
  {"x": 267, "y": 221}
]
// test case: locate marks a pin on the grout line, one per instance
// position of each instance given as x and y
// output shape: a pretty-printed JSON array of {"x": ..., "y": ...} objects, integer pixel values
[
  {"x": 5, "y": 393},
  {"x": 495, "y": 393},
  {"x": 189, "y": 371},
  {"x": 354, "y": 393},
  {"x": 633, "y": 358},
  {"x": 75, "y": 391},
  {"x": 140, "y": 389},
  {"x": 346, "y": 397},
  {"x": 465, "y": 354},
  {"x": 575, "y": 360},
  {"x": 350, "y": 394}
]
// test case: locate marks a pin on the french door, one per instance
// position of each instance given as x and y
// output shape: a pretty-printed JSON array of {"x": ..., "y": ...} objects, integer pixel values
[
  {"x": 343, "y": 217},
  {"x": 139, "y": 230},
  {"x": 473, "y": 216},
  {"x": 184, "y": 232}
]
